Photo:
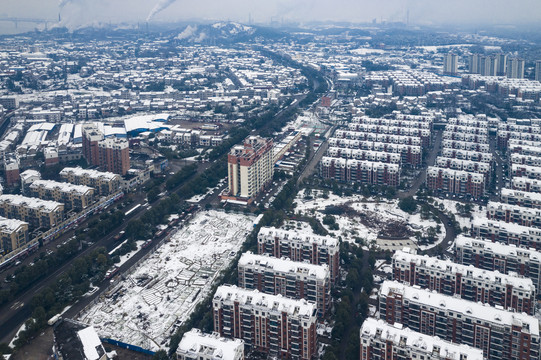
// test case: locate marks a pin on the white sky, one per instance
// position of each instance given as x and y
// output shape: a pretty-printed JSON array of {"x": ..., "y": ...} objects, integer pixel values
[{"x": 83, "y": 12}]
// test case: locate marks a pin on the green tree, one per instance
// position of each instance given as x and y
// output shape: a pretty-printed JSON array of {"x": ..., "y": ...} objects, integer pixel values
[{"x": 408, "y": 204}]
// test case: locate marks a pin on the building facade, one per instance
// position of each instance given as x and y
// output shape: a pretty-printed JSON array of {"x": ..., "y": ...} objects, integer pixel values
[
  {"x": 470, "y": 283},
  {"x": 13, "y": 234},
  {"x": 382, "y": 341},
  {"x": 292, "y": 279},
  {"x": 76, "y": 197},
  {"x": 250, "y": 168},
  {"x": 104, "y": 183},
  {"x": 271, "y": 324},
  {"x": 36, "y": 212},
  {"x": 499, "y": 333},
  {"x": 457, "y": 182},
  {"x": 507, "y": 259},
  {"x": 301, "y": 246}
]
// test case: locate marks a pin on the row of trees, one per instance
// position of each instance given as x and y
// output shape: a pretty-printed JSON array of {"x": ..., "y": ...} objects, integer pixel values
[
  {"x": 25, "y": 276},
  {"x": 350, "y": 302},
  {"x": 69, "y": 287}
]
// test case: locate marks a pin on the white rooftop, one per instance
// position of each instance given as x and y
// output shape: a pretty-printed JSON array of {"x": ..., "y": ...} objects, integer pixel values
[
  {"x": 95, "y": 174},
  {"x": 285, "y": 265},
  {"x": 196, "y": 342},
  {"x": 10, "y": 225},
  {"x": 469, "y": 271},
  {"x": 298, "y": 235},
  {"x": 265, "y": 301},
  {"x": 414, "y": 340},
  {"x": 33, "y": 203},
  {"x": 471, "y": 309}
]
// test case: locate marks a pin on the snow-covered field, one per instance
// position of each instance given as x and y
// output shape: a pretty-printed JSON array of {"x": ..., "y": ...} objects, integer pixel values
[
  {"x": 147, "y": 307},
  {"x": 376, "y": 215},
  {"x": 450, "y": 206}
]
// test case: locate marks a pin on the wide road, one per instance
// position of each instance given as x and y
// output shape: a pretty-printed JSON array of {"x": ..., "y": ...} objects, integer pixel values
[{"x": 431, "y": 159}]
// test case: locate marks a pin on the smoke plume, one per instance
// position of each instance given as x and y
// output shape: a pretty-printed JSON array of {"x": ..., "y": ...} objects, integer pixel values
[{"x": 160, "y": 6}]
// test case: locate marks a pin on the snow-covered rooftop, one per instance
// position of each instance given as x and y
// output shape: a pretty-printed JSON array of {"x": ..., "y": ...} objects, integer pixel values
[
  {"x": 33, "y": 203},
  {"x": 407, "y": 338},
  {"x": 194, "y": 342},
  {"x": 469, "y": 271},
  {"x": 468, "y": 308},
  {"x": 283, "y": 265},
  {"x": 278, "y": 303}
]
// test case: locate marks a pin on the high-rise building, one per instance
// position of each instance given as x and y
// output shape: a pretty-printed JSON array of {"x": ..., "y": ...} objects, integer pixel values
[
  {"x": 114, "y": 155},
  {"x": 489, "y": 65},
  {"x": 515, "y": 68},
  {"x": 196, "y": 345},
  {"x": 473, "y": 64},
  {"x": 382, "y": 341},
  {"x": 538, "y": 70},
  {"x": 502, "y": 65},
  {"x": 278, "y": 326},
  {"x": 110, "y": 154},
  {"x": 450, "y": 64},
  {"x": 250, "y": 168},
  {"x": 91, "y": 137},
  {"x": 12, "y": 172},
  {"x": 468, "y": 282},
  {"x": 501, "y": 334},
  {"x": 292, "y": 279},
  {"x": 506, "y": 259},
  {"x": 301, "y": 246}
]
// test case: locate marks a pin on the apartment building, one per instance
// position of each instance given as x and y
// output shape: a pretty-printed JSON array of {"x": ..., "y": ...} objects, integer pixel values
[
  {"x": 367, "y": 131},
  {"x": 363, "y": 171},
  {"x": 457, "y": 182},
  {"x": 501, "y": 334},
  {"x": 507, "y": 233},
  {"x": 528, "y": 171},
  {"x": 196, "y": 345},
  {"x": 507, "y": 259},
  {"x": 467, "y": 155},
  {"x": 464, "y": 165},
  {"x": 470, "y": 283},
  {"x": 13, "y": 234},
  {"x": 521, "y": 198},
  {"x": 292, "y": 279},
  {"x": 368, "y": 155},
  {"x": 530, "y": 160},
  {"x": 301, "y": 246},
  {"x": 379, "y": 137},
  {"x": 526, "y": 184},
  {"x": 465, "y": 145},
  {"x": 410, "y": 154},
  {"x": 36, "y": 212},
  {"x": 114, "y": 155},
  {"x": 110, "y": 154},
  {"x": 382, "y": 341},
  {"x": 104, "y": 183},
  {"x": 76, "y": 197},
  {"x": 514, "y": 214},
  {"x": 250, "y": 168},
  {"x": 271, "y": 324}
]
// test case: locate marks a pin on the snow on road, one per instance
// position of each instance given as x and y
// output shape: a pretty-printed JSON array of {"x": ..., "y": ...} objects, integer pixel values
[{"x": 158, "y": 296}]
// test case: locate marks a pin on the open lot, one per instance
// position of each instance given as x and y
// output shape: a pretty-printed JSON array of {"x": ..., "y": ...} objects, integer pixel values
[{"x": 148, "y": 306}]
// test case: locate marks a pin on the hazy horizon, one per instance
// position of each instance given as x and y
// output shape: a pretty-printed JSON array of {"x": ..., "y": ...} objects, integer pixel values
[{"x": 77, "y": 13}]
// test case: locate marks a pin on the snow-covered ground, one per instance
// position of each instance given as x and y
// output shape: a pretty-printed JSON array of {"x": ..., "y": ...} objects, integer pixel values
[
  {"x": 147, "y": 307},
  {"x": 450, "y": 206},
  {"x": 377, "y": 214}
]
